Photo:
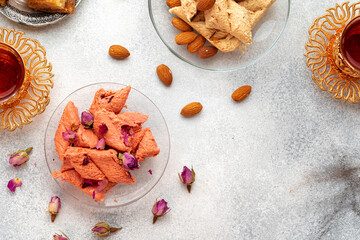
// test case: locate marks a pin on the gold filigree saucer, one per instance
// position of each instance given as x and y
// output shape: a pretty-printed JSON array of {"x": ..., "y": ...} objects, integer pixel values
[
  {"x": 33, "y": 96},
  {"x": 329, "y": 71}
]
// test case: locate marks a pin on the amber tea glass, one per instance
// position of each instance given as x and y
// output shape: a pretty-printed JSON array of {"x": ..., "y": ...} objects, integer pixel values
[
  {"x": 347, "y": 49},
  {"x": 12, "y": 72}
]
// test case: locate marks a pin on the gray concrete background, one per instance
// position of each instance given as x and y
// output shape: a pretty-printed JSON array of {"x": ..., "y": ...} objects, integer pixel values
[{"x": 287, "y": 135}]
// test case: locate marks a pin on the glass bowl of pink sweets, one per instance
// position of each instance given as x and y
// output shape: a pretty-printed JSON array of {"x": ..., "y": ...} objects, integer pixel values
[{"x": 107, "y": 145}]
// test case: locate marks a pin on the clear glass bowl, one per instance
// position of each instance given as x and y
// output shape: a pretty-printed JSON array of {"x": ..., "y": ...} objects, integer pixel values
[
  {"x": 265, "y": 35},
  {"x": 123, "y": 193}
]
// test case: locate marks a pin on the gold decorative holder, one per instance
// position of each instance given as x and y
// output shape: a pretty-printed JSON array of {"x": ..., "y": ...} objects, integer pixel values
[
  {"x": 330, "y": 71},
  {"x": 33, "y": 96}
]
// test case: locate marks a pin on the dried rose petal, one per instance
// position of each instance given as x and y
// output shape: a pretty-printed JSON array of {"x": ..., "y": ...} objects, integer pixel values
[
  {"x": 103, "y": 129},
  {"x": 85, "y": 161},
  {"x": 69, "y": 136},
  {"x": 159, "y": 209},
  {"x": 93, "y": 195},
  {"x": 102, "y": 184},
  {"x": 88, "y": 182},
  {"x": 87, "y": 119},
  {"x": 150, "y": 171},
  {"x": 130, "y": 162},
  {"x": 101, "y": 144},
  {"x": 126, "y": 131},
  {"x": 126, "y": 140},
  {"x": 14, "y": 183},
  {"x": 54, "y": 207},
  {"x": 20, "y": 157}
]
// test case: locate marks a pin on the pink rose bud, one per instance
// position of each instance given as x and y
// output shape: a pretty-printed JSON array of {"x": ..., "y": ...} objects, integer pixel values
[
  {"x": 102, "y": 184},
  {"x": 130, "y": 162},
  {"x": 187, "y": 177},
  {"x": 14, "y": 183},
  {"x": 20, "y": 157},
  {"x": 103, "y": 129},
  {"x": 101, "y": 144},
  {"x": 54, "y": 207},
  {"x": 87, "y": 119},
  {"x": 102, "y": 229},
  {"x": 159, "y": 209},
  {"x": 57, "y": 236},
  {"x": 69, "y": 136}
]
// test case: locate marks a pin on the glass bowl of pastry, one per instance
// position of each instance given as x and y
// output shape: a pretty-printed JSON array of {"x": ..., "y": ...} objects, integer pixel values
[
  {"x": 107, "y": 145},
  {"x": 229, "y": 34}
]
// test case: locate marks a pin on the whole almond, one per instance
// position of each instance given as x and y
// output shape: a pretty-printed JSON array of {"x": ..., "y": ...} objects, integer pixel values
[
  {"x": 118, "y": 52},
  {"x": 164, "y": 73},
  {"x": 181, "y": 25},
  {"x": 173, "y": 3},
  {"x": 185, "y": 38},
  {"x": 196, "y": 44},
  {"x": 204, "y": 5},
  {"x": 207, "y": 51},
  {"x": 191, "y": 109},
  {"x": 241, "y": 93}
]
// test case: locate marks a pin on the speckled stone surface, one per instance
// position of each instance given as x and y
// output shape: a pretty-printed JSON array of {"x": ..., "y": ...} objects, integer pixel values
[{"x": 283, "y": 164}]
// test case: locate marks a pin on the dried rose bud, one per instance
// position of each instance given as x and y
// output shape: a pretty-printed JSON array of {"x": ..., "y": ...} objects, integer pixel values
[
  {"x": 187, "y": 177},
  {"x": 57, "y": 236},
  {"x": 20, "y": 157},
  {"x": 130, "y": 162},
  {"x": 126, "y": 140},
  {"x": 102, "y": 229},
  {"x": 14, "y": 183},
  {"x": 54, "y": 207},
  {"x": 102, "y": 184},
  {"x": 87, "y": 119},
  {"x": 159, "y": 209},
  {"x": 101, "y": 144},
  {"x": 69, "y": 136}
]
